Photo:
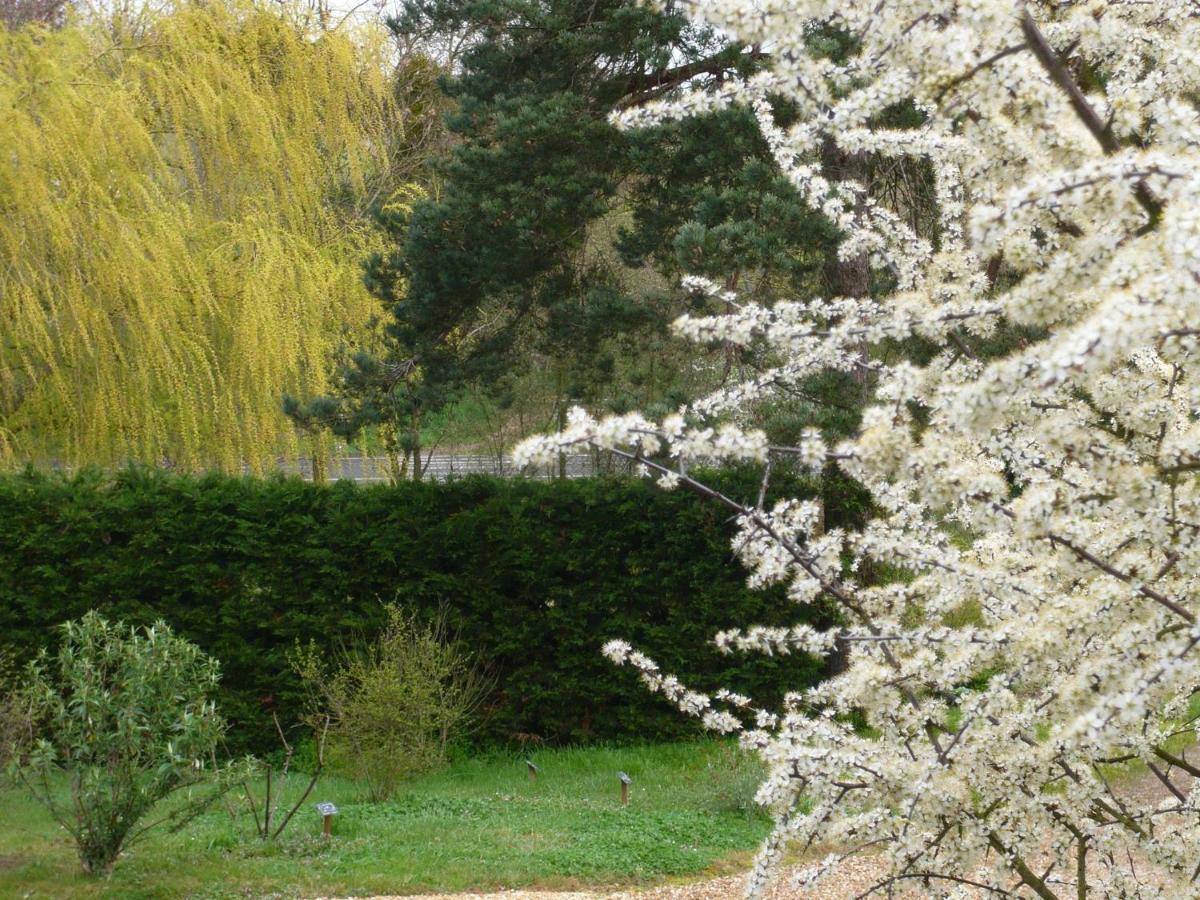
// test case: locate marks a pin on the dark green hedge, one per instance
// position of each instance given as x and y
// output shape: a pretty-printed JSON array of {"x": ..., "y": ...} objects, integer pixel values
[{"x": 536, "y": 576}]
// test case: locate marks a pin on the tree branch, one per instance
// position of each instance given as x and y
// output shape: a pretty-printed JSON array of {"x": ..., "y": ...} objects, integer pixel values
[
  {"x": 1060, "y": 75},
  {"x": 645, "y": 87},
  {"x": 1028, "y": 876}
]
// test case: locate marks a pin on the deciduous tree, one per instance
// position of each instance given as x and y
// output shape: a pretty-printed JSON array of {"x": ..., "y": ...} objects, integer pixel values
[
  {"x": 183, "y": 214},
  {"x": 1037, "y": 504}
]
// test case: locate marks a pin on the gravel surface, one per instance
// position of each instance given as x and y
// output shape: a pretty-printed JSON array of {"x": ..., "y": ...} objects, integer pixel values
[{"x": 856, "y": 876}]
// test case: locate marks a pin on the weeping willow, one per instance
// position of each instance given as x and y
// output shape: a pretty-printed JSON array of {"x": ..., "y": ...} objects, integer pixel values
[{"x": 183, "y": 213}]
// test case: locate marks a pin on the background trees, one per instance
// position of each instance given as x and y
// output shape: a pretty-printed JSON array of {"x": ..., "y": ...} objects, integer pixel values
[
  {"x": 545, "y": 262},
  {"x": 16, "y": 13},
  {"x": 523, "y": 253},
  {"x": 183, "y": 211}
]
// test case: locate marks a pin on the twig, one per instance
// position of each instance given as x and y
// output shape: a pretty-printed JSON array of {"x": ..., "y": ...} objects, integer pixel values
[{"x": 312, "y": 781}]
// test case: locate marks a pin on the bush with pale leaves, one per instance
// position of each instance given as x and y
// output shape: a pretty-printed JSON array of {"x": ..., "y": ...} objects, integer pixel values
[
  {"x": 1064, "y": 141},
  {"x": 122, "y": 717}
]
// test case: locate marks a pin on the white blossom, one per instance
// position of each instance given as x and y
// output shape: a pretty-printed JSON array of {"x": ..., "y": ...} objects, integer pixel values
[{"x": 1042, "y": 517}]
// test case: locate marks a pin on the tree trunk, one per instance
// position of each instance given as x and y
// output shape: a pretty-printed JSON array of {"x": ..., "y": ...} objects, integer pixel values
[
  {"x": 849, "y": 277},
  {"x": 562, "y": 424},
  {"x": 391, "y": 449},
  {"x": 418, "y": 471},
  {"x": 562, "y": 420}
]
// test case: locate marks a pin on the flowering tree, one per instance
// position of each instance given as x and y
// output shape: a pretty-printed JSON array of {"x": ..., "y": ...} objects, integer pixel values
[{"x": 1046, "y": 496}]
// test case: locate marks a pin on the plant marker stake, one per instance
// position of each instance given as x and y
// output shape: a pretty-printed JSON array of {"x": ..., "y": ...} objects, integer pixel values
[
  {"x": 533, "y": 770},
  {"x": 625, "y": 781},
  {"x": 327, "y": 811}
]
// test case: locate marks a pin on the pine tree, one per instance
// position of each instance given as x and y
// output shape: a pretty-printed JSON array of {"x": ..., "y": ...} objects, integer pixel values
[{"x": 555, "y": 240}]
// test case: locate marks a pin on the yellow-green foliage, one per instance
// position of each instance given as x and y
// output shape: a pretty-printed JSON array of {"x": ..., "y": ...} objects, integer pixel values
[{"x": 183, "y": 213}]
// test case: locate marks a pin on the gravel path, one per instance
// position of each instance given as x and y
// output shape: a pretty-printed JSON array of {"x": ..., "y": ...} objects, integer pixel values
[{"x": 855, "y": 877}]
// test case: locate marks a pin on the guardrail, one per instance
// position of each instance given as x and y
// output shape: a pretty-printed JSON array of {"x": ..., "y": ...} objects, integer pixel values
[{"x": 437, "y": 467}]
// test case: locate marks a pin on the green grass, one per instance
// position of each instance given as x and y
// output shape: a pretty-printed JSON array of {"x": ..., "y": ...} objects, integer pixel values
[{"x": 478, "y": 824}]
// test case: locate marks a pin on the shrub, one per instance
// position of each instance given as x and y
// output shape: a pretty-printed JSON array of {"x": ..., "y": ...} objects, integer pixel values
[
  {"x": 533, "y": 576},
  {"x": 126, "y": 715},
  {"x": 14, "y": 712},
  {"x": 277, "y": 774},
  {"x": 393, "y": 704},
  {"x": 734, "y": 775}
]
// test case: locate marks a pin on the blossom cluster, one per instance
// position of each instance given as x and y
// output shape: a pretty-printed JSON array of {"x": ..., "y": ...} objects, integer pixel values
[{"x": 1038, "y": 509}]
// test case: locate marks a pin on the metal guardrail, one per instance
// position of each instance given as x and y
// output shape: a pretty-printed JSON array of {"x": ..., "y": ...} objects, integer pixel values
[{"x": 437, "y": 467}]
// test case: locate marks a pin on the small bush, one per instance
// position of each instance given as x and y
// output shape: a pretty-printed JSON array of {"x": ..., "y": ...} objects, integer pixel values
[
  {"x": 393, "y": 705},
  {"x": 14, "y": 713},
  {"x": 126, "y": 715},
  {"x": 276, "y": 815},
  {"x": 734, "y": 775}
]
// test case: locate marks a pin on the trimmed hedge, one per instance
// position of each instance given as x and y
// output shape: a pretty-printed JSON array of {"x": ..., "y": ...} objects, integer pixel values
[{"x": 536, "y": 576}]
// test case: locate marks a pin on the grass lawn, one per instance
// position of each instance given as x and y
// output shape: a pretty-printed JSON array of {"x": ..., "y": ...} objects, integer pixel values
[{"x": 478, "y": 824}]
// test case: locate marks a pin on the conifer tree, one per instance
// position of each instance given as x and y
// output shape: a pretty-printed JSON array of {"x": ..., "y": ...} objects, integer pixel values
[{"x": 556, "y": 235}]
